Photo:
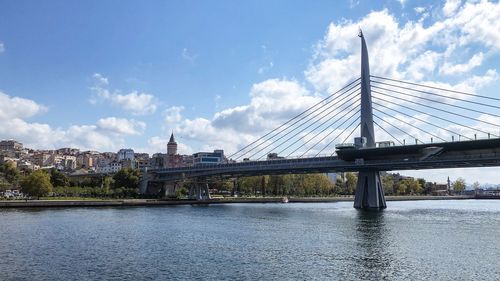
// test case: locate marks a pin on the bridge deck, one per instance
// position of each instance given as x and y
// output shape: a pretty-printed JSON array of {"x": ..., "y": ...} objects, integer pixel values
[{"x": 480, "y": 153}]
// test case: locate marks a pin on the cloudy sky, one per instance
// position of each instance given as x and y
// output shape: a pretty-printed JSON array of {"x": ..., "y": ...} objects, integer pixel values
[{"x": 104, "y": 75}]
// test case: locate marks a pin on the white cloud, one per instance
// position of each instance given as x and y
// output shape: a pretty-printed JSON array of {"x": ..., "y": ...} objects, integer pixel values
[
  {"x": 15, "y": 107},
  {"x": 450, "y": 7},
  {"x": 100, "y": 80},
  {"x": 409, "y": 51},
  {"x": 272, "y": 102},
  {"x": 450, "y": 69},
  {"x": 135, "y": 102},
  {"x": 121, "y": 125},
  {"x": 107, "y": 133},
  {"x": 2, "y": 47},
  {"x": 419, "y": 10},
  {"x": 173, "y": 115},
  {"x": 353, "y": 3}
]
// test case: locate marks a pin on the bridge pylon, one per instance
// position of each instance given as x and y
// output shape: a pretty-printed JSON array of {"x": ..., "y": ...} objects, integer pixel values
[
  {"x": 199, "y": 190},
  {"x": 369, "y": 190}
]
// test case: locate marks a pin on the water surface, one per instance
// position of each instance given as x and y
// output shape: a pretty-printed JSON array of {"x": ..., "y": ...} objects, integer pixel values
[{"x": 411, "y": 240}]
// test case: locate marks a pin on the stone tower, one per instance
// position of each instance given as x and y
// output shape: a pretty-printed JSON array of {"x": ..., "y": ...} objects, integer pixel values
[{"x": 172, "y": 145}]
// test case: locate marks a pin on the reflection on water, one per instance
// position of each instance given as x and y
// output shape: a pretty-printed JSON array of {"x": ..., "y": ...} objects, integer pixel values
[
  {"x": 424, "y": 240},
  {"x": 371, "y": 240}
]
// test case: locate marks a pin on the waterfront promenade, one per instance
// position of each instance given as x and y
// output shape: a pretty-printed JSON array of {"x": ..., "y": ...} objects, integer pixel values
[{"x": 156, "y": 202}]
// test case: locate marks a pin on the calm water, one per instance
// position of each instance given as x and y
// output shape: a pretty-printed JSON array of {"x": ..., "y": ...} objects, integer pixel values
[{"x": 419, "y": 240}]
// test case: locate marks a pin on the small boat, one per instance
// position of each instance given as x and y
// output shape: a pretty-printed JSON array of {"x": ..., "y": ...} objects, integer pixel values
[{"x": 284, "y": 200}]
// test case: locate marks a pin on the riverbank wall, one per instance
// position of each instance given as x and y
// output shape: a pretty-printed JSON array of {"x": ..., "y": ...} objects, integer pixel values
[{"x": 156, "y": 202}]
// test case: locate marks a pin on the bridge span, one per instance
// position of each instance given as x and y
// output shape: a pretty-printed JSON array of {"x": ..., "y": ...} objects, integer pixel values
[
  {"x": 480, "y": 153},
  {"x": 401, "y": 110}
]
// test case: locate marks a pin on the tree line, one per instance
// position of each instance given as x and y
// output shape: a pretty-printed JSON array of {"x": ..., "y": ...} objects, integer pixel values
[
  {"x": 42, "y": 183},
  {"x": 124, "y": 184}
]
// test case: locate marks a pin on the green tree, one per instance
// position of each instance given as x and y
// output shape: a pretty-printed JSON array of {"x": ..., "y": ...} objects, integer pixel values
[
  {"x": 248, "y": 185},
  {"x": 10, "y": 172},
  {"x": 350, "y": 182},
  {"x": 127, "y": 178},
  {"x": 57, "y": 178},
  {"x": 388, "y": 184},
  {"x": 107, "y": 183},
  {"x": 458, "y": 185},
  {"x": 37, "y": 184},
  {"x": 401, "y": 188},
  {"x": 181, "y": 192},
  {"x": 422, "y": 182},
  {"x": 414, "y": 186}
]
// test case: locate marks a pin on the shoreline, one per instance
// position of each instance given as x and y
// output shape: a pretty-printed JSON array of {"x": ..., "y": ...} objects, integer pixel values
[{"x": 157, "y": 202}]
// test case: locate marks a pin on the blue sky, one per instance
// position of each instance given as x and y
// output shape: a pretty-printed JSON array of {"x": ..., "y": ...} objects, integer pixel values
[{"x": 109, "y": 74}]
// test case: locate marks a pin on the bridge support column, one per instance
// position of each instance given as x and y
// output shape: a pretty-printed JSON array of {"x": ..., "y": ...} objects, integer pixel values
[
  {"x": 169, "y": 189},
  {"x": 369, "y": 191},
  {"x": 143, "y": 184},
  {"x": 199, "y": 191}
]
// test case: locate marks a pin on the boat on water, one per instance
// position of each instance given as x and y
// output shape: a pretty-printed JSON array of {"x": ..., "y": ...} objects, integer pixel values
[{"x": 284, "y": 200}]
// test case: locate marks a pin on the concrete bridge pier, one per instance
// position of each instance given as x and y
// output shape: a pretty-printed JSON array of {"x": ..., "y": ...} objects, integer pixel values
[
  {"x": 369, "y": 191},
  {"x": 199, "y": 191},
  {"x": 169, "y": 189},
  {"x": 144, "y": 182},
  {"x": 236, "y": 188}
]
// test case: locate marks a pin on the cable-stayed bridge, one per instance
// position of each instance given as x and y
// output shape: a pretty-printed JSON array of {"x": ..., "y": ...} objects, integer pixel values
[{"x": 422, "y": 127}]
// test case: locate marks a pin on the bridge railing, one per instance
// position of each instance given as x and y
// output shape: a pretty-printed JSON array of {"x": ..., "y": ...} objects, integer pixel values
[{"x": 247, "y": 163}]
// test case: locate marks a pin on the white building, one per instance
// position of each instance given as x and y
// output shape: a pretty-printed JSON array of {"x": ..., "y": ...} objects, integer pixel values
[
  {"x": 110, "y": 168},
  {"x": 209, "y": 157}
]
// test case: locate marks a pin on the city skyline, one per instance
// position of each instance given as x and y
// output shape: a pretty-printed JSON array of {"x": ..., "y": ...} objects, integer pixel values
[{"x": 103, "y": 83}]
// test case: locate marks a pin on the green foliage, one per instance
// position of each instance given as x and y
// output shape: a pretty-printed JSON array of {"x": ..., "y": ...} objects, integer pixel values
[
  {"x": 388, "y": 184},
  {"x": 401, "y": 188},
  {"x": 458, "y": 185},
  {"x": 288, "y": 185},
  {"x": 127, "y": 178},
  {"x": 86, "y": 182},
  {"x": 347, "y": 184},
  {"x": 94, "y": 192},
  {"x": 57, "y": 178},
  {"x": 36, "y": 184},
  {"x": 10, "y": 173},
  {"x": 181, "y": 192},
  {"x": 107, "y": 183}
]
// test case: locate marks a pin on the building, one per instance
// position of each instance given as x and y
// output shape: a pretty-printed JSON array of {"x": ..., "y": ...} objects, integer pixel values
[
  {"x": 42, "y": 159},
  {"x": 438, "y": 189},
  {"x": 141, "y": 156},
  {"x": 6, "y": 159},
  {"x": 67, "y": 162},
  {"x": 209, "y": 157},
  {"x": 125, "y": 154},
  {"x": 68, "y": 151},
  {"x": 142, "y": 163},
  {"x": 110, "y": 168},
  {"x": 86, "y": 159},
  {"x": 127, "y": 163},
  {"x": 10, "y": 145},
  {"x": 171, "y": 159}
]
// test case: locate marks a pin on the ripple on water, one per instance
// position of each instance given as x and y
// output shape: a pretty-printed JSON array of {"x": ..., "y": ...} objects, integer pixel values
[{"x": 411, "y": 240}]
